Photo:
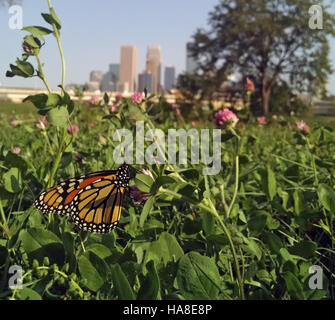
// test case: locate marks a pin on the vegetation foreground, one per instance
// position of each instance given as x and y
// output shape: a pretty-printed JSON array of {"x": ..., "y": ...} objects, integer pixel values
[{"x": 250, "y": 233}]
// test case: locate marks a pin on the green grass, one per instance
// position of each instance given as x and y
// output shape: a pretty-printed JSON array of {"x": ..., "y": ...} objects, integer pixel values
[{"x": 184, "y": 242}]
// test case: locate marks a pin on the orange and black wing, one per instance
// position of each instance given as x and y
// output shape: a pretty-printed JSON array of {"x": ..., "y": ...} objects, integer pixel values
[{"x": 93, "y": 202}]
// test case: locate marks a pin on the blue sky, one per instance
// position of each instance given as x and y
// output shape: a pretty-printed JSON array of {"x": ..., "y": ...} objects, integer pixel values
[{"x": 93, "y": 32}]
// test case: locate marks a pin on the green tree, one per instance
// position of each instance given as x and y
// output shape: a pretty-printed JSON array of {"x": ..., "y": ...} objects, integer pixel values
[{"x": 270, "y": 39}]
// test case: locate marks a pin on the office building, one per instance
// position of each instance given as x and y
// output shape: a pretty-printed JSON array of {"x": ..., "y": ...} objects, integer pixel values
[
  {"x": 128, "y": 67},
  {"x": 169, "y": 77},
  {"x": 153, "y": 66},
  {"x": 145, "y": 82}
]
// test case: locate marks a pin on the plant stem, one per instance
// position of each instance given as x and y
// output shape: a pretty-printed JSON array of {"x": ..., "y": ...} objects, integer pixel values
[
  {"x": 4, "y": 224},
  {"x": 236, "y": 185},
  {"x": 57, "y": 159},
  {"x": 41, "y": 73},
  {"x": 57, "y": 36}
]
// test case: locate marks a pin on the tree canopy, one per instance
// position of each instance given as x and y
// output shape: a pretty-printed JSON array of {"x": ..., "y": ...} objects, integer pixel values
[{"x": 269, "y": 39}]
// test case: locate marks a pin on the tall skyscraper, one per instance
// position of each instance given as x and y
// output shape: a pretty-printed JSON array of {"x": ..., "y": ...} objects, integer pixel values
[
  {"x": 153, "y": 66},
  {"x": 128, "y": 67},
  {"x": 145, "y": 81},
  {"x": 169, "y": 77},
  {"x": 191, "y": 64}
]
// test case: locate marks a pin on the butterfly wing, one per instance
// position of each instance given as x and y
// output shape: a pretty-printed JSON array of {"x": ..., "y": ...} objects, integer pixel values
[{"x": 93, "y": 202}]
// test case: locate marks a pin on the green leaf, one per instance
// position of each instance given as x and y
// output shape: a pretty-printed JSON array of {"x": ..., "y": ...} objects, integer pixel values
[
  {"x": 272, "y": 185},
  {"x": 15, "y": 160},
  {"x": 37, "y": 31},
  {"x": 146, "y": 210},
  {"x": 93, "y": 269},
  {"x": 121, "y": 284},
  {"x": 39, "y": 243},
  {"x": 144, "y": 182},
  {"x": 257, "y": 223},
  {"x": 13, "y": 180},
  {"x": 53, "y": 100},
  {"x": 198, "y": 277},
  {"x": 305, "y": 249},
  {"x": 293, "y": 285},
  {"x": 208, "y": 223},
  {"x": 25, "y": 67},
  {"x": 327, "y": 197},
  {"x": 58, "y": 116},
  {"x": 52, "y": 18},
  {"x": 16, "y": 71},
  {"x": 253, "y": 248},
  {"x": 150, "y": 288},
  {"x": 273, "y": 242},
  {"x": 164, "y": 249},
  {"x": 28, "y": 294},
  {"x": 38, "y": 100},
  {"x": 100, "y": 250},
  {"x": 298, "y": 199},
  {"x": 160, "y": 181}
]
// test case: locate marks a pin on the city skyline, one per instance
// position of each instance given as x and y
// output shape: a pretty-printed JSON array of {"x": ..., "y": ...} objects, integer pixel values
[
  {"x": 120, "y": 75},
  {"x": 94, "y": 44}
]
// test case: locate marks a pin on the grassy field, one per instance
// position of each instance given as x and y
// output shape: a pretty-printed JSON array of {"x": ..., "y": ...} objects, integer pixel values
[{"x": 253, "y": 231}]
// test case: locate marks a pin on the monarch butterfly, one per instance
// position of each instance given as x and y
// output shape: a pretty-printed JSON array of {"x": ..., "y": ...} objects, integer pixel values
[{"x": 93, "y": 201}]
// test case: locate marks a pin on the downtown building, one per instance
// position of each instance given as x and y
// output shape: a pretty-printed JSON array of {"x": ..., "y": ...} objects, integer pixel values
[
  {"x": 128, "y": 69},
  {"x": 169, "y": 78},
  {"x": 145, "y": 82},
  {"x": 153, "y": 67}
]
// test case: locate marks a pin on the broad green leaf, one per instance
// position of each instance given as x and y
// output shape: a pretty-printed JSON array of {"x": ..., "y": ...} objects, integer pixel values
[
  {"x": 207, "y": 220},
  {"x": 150, "y": 288},
  {"x": 58, "y": 116},
  {"x": 52, "y": 18},
  {"x": 327, "y": 197},
  {"x": 28, "y": 294},
  {"x": 146, "y": 210},
  {"x": 37, "y": 31},
  {"x": 253, "y": 248},
  {"x": 160, "y": 181},
  {"x": 198, "y": 277},
  {"x": 257, "y": 223},
  {"x": 293, "y": 285},
  {"x": 100, "y": 250},
  {"x": 272, "y": 185},
  {"x": 93, "y": 269},
  {"x": 39, "y": 243},
  {"x": 53, "y": 100},
  {"x": 305, "y": 249},
  {"x": 273, "y": 242},
  {"x": 144, "y": 182},
  {"x": 12, "y": 180},
  {"x": 38, "y": 100},
  {"x": 121, "y": 284},
  {"x": 25, "y": 67},
  {"x": 164, "y": 249}
]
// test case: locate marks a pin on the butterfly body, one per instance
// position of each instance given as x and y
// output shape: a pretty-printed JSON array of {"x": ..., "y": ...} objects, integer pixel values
[{"x": 93, "y": 202}]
